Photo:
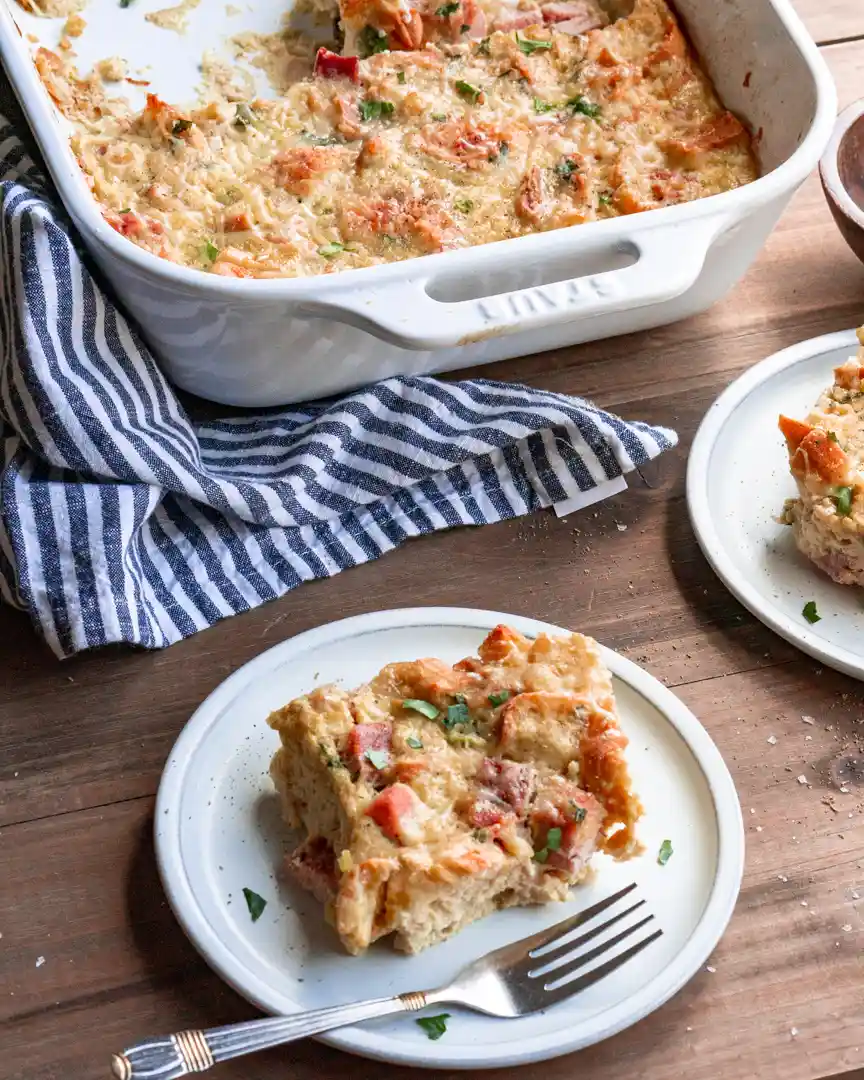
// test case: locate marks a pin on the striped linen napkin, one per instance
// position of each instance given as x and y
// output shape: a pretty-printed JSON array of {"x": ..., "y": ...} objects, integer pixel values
[{"x": 121, "y": 520}]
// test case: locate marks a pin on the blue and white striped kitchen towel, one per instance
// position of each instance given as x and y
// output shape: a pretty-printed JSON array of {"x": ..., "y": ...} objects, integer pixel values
[{"x": 123, "y": 521}]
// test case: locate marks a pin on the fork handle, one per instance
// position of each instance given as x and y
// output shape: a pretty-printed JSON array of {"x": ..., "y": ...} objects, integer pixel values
[{"x": 187, "y": 1052}]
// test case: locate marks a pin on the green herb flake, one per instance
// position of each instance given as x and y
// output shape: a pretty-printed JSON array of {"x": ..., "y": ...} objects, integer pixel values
[
  {"x": 457, "y": 715},
  {"x": 255, "y": 903},
  {"x": 604, "y": 199},
  {"x": 425, "y": 708},
  {"x": 378, "y": 758},
  {"x": 438, "y": 116},
  {"x": 810, "y": 613},
  {"x": 400, "y": 77},
  {"x": 832, "y": 435},
  {"x": 542, "y": 855},
  {"x": 331, "y": 760},
  {"x": 446, "y": 10},
  {"x": 331, "y": 249},
  {"x": 565, "y": 169},
  {"x": 481, "y": 835},
  {"x": 125, "y": 210},
  {"x": 578, "y": 812},
  {"x": 414, "y": 742},
  {"x": 553, "y": 839},
  {"x": 469, "y": 91},
  {"x": 371, "y": 109},
  {"x": 211, "y": 252},
  {"x": 179, "y": 126},
  {"x": 464, "y": 206},
  {"x": 434, "y": 1026},
  {"x": 125, "y": 3},
  {"x": 464, "y": 28},
  {"x": 665, "y": 852},
  {"x": 529, "y": 47},
  {"x": 483, "y": 47},
  {"x": 541, "y": 106},
  {"x": 371, "y": 41},
  {"x": 581, "y": 105},
  {"x": 843, "y": 500},
  {"x": 499, "y": 697}
]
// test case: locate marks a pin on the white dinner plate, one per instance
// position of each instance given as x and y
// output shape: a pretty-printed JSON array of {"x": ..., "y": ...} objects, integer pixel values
[
  {"x": 218, "y": 831},
  {"x": 737, "y": 480}
]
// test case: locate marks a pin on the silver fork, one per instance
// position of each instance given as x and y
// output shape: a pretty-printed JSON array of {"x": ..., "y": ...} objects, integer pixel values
[{"x": 511, "y": 981}]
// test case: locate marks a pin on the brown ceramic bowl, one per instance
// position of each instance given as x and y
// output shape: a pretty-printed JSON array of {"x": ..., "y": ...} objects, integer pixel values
[{"x": 842, "y": 173}]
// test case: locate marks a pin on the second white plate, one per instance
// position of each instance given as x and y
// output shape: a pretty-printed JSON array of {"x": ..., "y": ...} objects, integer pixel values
[
  {"x": 218, "y": 832},
  {"x": 737, "y": 480}
]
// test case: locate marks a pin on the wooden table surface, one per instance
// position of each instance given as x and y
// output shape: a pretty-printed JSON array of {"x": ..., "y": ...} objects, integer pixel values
[{"x": 82, "y": 743}]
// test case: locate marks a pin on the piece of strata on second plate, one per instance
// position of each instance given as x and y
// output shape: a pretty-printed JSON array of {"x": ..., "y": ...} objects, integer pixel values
[
  {"x": 435, "y": 795},
  {"x": 825, "y": 456}
]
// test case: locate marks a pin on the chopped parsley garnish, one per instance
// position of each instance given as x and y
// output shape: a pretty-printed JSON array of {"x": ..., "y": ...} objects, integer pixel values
[
  {"x": 331, "y": 249},
  {"x": 499, "y": 697},
  {"x": 434, "y": 1026},
  {"x": 541, "y": 106},
  {"x": 255, "y": 903},
  {"x": 566, "y": 168},
  {"x": 377, "y": 758},
  {"x": 414, "y": 742},
  {"x": 580, "y": 104},
  {"x": 832, "y": 435},
  {"x": 577, "y": 811},
  {"x": 446, "y": 10},
  {"x": 457, "y": 715},
  {"x": 604, "y": 199},
  {"x": 665, "y": 852},
  {"x": 464, "y": 28},
  {"x": 332, "y": 761},
  {"x": 843, "y": 500},
  {"x": 439, "y": 116},
  {"x": 371, "y": 41},
  {"x": 481, "y": 835},
  {"x": 553, "y": 839},
  {"x": 210, "y": 251},
  {"x": 320, "y": 140},
  {"x": 425, "y": 708},
  {"x": 243, "y": 116},
  {"x": 370, "y": 109},
  {"x": 469, "y": 91},
  {"x": 125, "y": 3},
  {"x": 179, "y": 126},
  {"x": 125, "y": 210},
  {"x": 483, "y": 47},
  {"x": 810, "y": 613},
  {"x": 528, "y": 47},
  {"x": 400, "y": 77},
  {"x": 464, "y": 206}
]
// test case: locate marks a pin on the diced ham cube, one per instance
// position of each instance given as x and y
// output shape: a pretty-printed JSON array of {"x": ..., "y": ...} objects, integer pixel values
[
  {"x": 399, "y": 814},
  {"x": 510, "y": 781},
  {"x": 313, "y": 865},
  {"x": 518, "y": 20},
  {"x": 487, "y": 809},
  {"x": 330, "y": 65},
  {"x": 578, "y": 815},
  {"x": 579, "y": 14},
  {"x": 361, "y": 739}
]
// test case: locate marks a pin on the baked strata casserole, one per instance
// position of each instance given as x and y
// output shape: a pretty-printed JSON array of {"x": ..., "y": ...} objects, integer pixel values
[
  {"x": 439, "y": 125},
  {"x": 825, "y": 454},
  {"x": 435, "y": 795}
]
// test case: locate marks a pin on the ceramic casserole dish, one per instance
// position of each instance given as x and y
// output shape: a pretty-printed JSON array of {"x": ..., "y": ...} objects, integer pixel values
[{"x": 270, "y": 342}]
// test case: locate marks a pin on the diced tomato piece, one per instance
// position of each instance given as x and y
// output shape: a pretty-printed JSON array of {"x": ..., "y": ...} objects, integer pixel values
[
  {"x": 511, "y": 781},
  {"x": 330, "y": 65},
  {"x": 390, "y": 809},
  {"x": 127, "y": 224},
  {"x": 487, "y": 809},
  {"x": 364, "y": 737}
]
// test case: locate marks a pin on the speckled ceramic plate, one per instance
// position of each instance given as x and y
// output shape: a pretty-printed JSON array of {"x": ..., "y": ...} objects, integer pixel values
[
  {"x": 218, "y": 831},
  {"x": 737, "y": 480}
]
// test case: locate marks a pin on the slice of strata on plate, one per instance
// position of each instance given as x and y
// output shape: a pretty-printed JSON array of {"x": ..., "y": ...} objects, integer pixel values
[
  {"x": 825, "y": 455},
  {"x": 435, "y": 795}
]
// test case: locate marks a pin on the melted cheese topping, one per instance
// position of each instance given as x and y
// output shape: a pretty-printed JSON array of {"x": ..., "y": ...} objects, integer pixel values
[
  {"x": 435, "y": 794},
  {"x": 456, "y": 143}
]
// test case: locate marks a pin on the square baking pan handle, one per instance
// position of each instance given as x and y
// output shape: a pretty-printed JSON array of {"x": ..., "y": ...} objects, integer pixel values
[{"x": 666, "y": 261}]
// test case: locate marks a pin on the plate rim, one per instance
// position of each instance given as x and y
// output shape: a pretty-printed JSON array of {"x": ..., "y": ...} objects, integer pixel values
[
  {"x": 701, "y": 518},
  {"x": 690, "y": 958}
]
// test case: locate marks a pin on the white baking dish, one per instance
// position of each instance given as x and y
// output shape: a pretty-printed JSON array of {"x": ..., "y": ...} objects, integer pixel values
[{"x": 250, "y": 342}]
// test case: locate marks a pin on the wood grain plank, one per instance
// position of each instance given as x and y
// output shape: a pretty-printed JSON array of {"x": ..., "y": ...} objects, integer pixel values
[
  {"x": 831, "y": 20},
  {"x": 117, "y": 963}
]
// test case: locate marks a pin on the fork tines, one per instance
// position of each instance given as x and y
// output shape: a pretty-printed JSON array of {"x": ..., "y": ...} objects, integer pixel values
[{"x": 553, "y": 956}]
